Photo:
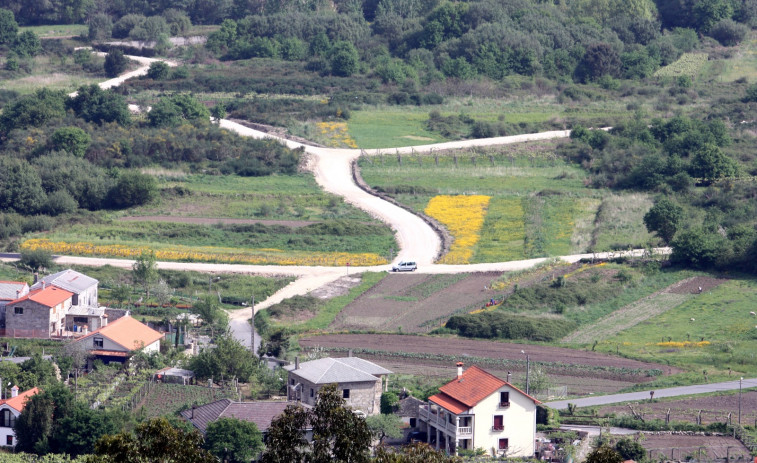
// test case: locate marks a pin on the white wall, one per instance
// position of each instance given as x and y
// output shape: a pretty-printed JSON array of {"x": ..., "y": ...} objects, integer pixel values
[
  {"x": 519, "y": 422},
  {"x": 5, "y": 432}
]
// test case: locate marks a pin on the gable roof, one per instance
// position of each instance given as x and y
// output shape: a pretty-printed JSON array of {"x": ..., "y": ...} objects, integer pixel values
[
  {"x": 8, "y": 289},
  {"x": 260, "y": 413},
  {"x": 464, "y": 392},
  {"x": 18, "y": 402},
  {"x": 70, "y": 280},
  {"x": 127, "y": 332},
  {"x": 338, "y": 370},
  {"x": 48, "y": 297}
]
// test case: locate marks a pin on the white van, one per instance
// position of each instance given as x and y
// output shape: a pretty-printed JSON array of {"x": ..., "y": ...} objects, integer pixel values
[{"x": 404, "y": 266}]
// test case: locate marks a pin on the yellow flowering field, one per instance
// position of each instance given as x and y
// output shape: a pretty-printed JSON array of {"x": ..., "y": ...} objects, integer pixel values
[
  {"x": 208, "y": 254},
  {"x": 503, "y": 232},
  {"x": 683, "y": 344},
  {"x": 463, "y": 216},
  {"x": 337, "y": 134}
]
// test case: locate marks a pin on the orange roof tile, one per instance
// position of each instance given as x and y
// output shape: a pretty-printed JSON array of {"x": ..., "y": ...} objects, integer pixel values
[
  {"x": 449, "y": 403},
  {"x": 127, "y": 332},
  {"x": 19, "y": 401},
  {"x": 49, "y": 297},
  {"x": 473, "y": 386}
]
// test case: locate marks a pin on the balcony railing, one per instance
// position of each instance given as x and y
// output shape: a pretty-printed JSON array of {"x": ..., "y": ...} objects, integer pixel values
[
  {"x": 498, "y": 428},
  {"x": 465, "y": 430},
  {"x": 504, "y": 404}
]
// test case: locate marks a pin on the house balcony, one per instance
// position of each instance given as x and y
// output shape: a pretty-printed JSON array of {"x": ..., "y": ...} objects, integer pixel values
[{"x": 441, "y": 423}]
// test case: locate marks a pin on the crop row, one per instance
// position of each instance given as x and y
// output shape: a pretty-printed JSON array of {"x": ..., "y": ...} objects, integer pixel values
[
  {"x": 208, "y": 254},
  {"x": 689, "y": 64}
]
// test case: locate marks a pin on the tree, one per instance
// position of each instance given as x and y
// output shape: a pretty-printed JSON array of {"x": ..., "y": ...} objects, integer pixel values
[
  {"x": 218, "y": 112},
  {"x": 154, "y": 440},
  {"x": 338, "y": 433},
  {"x": 344, "y": 59},
  {"x": 604, "y": 454},
  {"x": 100, "y": 27},
  {"x": 71, "y": 140},
  {"x": 37, "y": 422},
  {"x": 145, "y": 270},
  {"x": 133, "y": 189},
  {"x": 94, "y": 104},
  {"x": 8, "y": 27},
  {"x": 228, "y": 359},
  {"x": 710, "y": 163},
  {"x": 233, "y": 440},
  {"x": 173, "y": 110},
  {"x": 27, "y": 44},
  {"x": 664, "y": 218},
  {"x": 383, "y": 426},
  {"x": 286, "y": 441},
  {"x": 150, "y": 29},
  {"x": 20, "y": 187},
  {"x": 115, "y": 63},
  {"x": 33, "y": 110},
  {"x": 729, "y": 32},
  {"x": 209, "y": 310},
  {"x": 414, "y": 453},
  {"x": 77, "y": 432},
  {"x": 389, "y": 401},
  {"x": 599, "y": 60},
  {"x": 699, "y": 248},
  {"x": 708, "y": 12},
  {"x": 158, "y": 70}
]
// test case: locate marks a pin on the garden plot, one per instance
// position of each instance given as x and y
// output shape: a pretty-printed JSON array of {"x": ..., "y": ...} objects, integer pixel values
[
  {"x": 674, "y": 447},
  {"x": 415, "y": 303}
]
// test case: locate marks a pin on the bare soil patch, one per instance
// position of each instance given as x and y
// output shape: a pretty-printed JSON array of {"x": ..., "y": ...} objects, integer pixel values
[
  {"x": 213, "y": 220},
  {"x": 415, "y": 303},
  {"x": 714, "y": 409},
  {"x": 582, "y": 371},
  {"x": 693, "y": 285},
  {"x": 671, "y": 447},
  {"x": 340, "y": 287}
]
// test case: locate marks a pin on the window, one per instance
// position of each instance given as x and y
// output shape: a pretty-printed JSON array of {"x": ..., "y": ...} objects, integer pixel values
[
  {"x": 97, "y": 342},
  {"x": 7, "y": 419},
  {"x": 503, "y": 444},
  {"x": 504, "y": 399},
  {"x": 413, "y": 422},
  {"x": 312, "y": 392},
  {"x": 291, "y": 381},
  {"x": 345, "y": 393},
  {"x": 9, "y": 440},
  {"x": 75, "y": 300},
  {"x": 18, "y": 310},
  {"x": 499, "y": 423}
]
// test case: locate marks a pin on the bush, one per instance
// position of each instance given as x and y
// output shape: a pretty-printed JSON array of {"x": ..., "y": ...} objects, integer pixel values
[
  {"x": 36, "y": 259},
  {"x": 158, "y": 70},
  {"x": 115, "y": 63},
  {"x": 498, "y": 324},
  {"x": 60, "y": 202},
  {"x": 133, "y": 189},
  {"x": 729, "y": 32}
]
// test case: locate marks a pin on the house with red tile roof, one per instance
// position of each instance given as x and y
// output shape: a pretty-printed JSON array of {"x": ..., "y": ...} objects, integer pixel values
[
  {"x": 10, "y": 409},
  {"x": 116, "y": 341},
  {"x": 10, "y": 291},
  {"x": 479, "y": 410},
  {"x": 39, "y": 313}
]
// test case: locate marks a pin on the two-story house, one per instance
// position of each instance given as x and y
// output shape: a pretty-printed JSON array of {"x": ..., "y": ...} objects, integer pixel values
[
  {"x": 360, "y": 381},
  {"x": 10, "y": 409},
  {"x": 479, "y": 410},
  {"x": 83, "y": 287},
  {"x": 40, "y": 313}
]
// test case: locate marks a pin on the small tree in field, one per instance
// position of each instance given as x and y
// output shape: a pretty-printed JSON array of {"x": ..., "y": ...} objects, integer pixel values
[
  {"x": 115, "y": 63},
  {"x": 145, "y": 271}
]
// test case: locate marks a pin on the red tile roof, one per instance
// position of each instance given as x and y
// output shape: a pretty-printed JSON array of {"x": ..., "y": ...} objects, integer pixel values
[
  {"x": 48, "y": 297},
  {"x": 127, "y": 332},
  {"x": 464, "y": 392},
  {"x": 19, "y": 401}
]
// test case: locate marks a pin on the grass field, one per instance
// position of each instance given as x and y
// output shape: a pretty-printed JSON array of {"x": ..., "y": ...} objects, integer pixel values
[
  {"x": 712, "y": 331},
  {"x": 539, "y": 205},
  {"x": 743, "y": 64},
  {"x": 56, "y": 30},
  {"x": 48, "y": 72}
]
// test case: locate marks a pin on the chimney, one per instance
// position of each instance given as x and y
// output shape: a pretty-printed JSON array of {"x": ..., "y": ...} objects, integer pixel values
[
  {"x": 296, "y": 362},
  {"x": 43, "y": 284},
  {"x": 18, "y": 293},
  {"x": 508, "y": 376},
  {"x": 192, "y": 416},
  {"x": 459, "y": 369},
  {"x": 14, "y": 391},
  {"x": 36, "y": 277}
]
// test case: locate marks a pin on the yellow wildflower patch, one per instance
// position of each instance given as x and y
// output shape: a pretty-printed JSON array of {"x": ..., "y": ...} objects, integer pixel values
[
  {"x": 208, "y": 254},
  {"x": 683, "y": 344},
  {"x": 337, "y": 134},
  {"x": 463, "y": 216}
]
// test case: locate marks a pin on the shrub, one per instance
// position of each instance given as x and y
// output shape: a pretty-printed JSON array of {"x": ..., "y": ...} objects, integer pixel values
[
  {"x": 729, "y": 32},
  {"x": 158, "y": 70},
  {"x": 115, "y": 63},
  {"x": 133, "y": 189},
  {"x": 60, "y": 202},
  {"x": 36, "y": 259},
  {"x": 503, "y": 325}
]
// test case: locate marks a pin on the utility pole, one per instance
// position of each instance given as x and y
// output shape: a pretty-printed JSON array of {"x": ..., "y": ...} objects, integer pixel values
[
  {"x": 252, "y": 327},
  {"x": 740, "y": 380},
  {"x": 528, "y": 370}
]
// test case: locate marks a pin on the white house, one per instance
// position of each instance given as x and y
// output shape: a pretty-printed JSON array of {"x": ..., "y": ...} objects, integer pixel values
[
  {"x": 479, "y": 410},
  {"x": 83, "y": 287},
  {"x": 118, "y": 339},
  {"x": 10, "y": 409}
]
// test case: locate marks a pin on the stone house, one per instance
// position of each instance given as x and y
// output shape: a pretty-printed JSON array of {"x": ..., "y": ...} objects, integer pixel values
[
  {"x": 479, "y": 410},
  {"x": 10, "y": 291},
  {"x": 118, "y": 340},
  {"x": 360, "y": 381},
  {"x": 10, "y": 409},
  {"x": 41, "y": 313}
]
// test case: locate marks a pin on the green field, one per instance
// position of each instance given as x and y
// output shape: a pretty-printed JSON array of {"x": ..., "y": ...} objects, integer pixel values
[
  {"x": 49, "y": 72},
  {"x": 56, "y": 30},
  {"x": 385, "y": 127},
  {"x": 539, "y": 206}
]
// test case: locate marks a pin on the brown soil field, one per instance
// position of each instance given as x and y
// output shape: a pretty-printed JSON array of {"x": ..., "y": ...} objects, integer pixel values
[
  {"x": 415, "y": 303},
  {"x": 583, "y": 372},
  {"x": 715, "y": 409},
  {"x": 696, "y": 448},
  {"x": 692, "y": 285},
  {"x": 213, "y": 221}
]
